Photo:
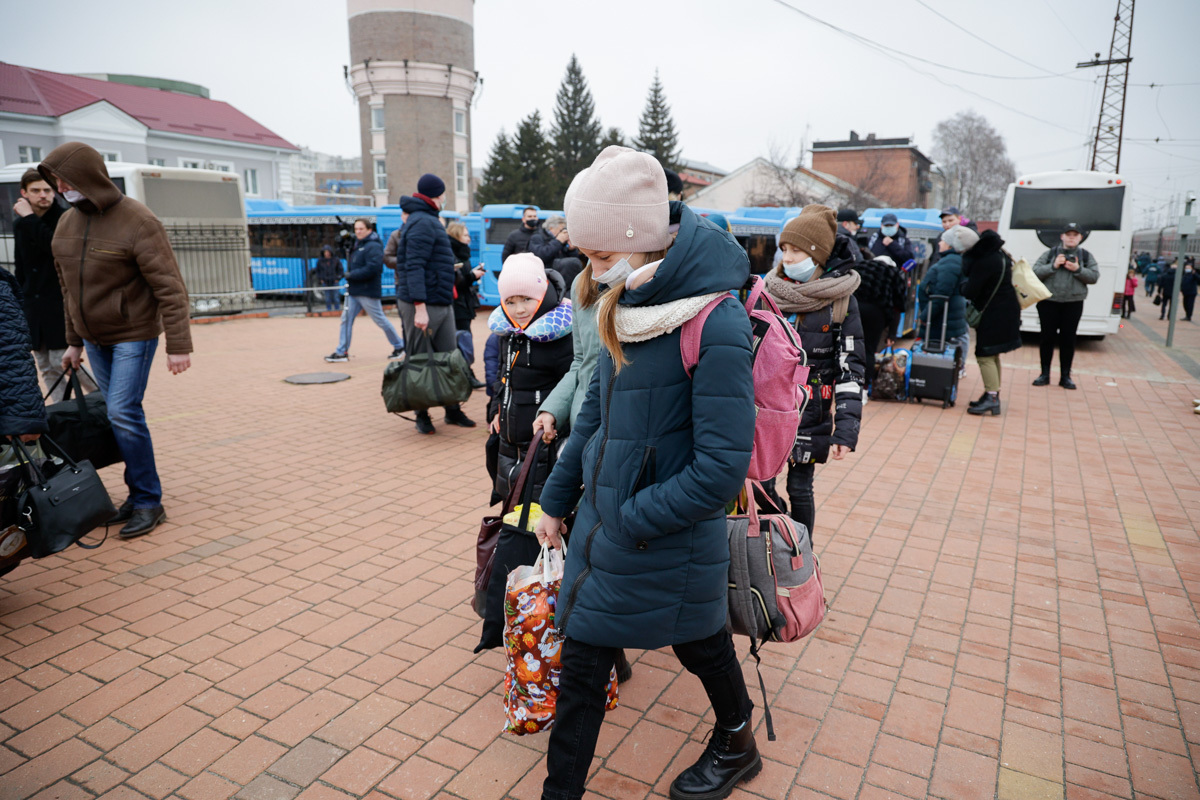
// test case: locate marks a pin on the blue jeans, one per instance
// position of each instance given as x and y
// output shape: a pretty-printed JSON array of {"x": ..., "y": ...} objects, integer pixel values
[
  {"x": 374, "y": 308},
  {"x": 333, "y": 298},
  {"x": 122, "y": 370}
]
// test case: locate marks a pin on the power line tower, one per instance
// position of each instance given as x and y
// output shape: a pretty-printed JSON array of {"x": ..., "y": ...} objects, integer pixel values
[{"x": 1106, "y": 147}]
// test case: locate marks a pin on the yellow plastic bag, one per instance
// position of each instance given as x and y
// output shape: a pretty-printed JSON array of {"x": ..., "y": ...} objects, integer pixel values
[{"x": 514, "y": 517}]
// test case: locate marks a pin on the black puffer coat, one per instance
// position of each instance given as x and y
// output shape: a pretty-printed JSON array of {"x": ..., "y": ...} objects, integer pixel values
[
  {"x": 21, "y": 406},
  {"x": 837, "y": 362},
  {"x": 39, "y": 280},
  {"x": 424, "y": 260},
  {"x": 465, "y": 301},
  {"x": 882, "y": 284},
  {"x": 529, "y": 371},
  {"x": 983, "y": 265}
]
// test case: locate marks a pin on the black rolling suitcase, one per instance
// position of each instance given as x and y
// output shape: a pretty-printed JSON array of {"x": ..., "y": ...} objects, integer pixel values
[{"x": 933, "y": 374}]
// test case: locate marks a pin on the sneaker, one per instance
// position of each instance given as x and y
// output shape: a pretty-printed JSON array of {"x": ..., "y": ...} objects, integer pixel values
[
  {"x": 425, "y": 424},
  {"x": 397, "y": 354},
  {"x": 865, "y": 397},
  {"x": 332, "y": 357}
]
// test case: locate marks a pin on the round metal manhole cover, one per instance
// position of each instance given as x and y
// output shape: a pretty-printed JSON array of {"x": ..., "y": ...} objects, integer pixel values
[{"x": 317, "y": 377}]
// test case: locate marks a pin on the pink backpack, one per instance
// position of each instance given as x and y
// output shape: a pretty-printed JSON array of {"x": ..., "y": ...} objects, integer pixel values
[{"x": 780, "y": 378}]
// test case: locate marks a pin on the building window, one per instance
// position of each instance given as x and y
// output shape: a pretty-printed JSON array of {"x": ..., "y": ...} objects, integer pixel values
[
  {"x": 251, "y": 178},
  {"x": 380, "y": 174},
  {"x": 460, "y": 122},
  {"x": 191, "y": 163},
  {"x": 157, "y": 162},
  {"x": 460, "y": 176},
  {"x": 220, "y": 166},
  {"x": 110, "y": 156},
  {"x": 28, "y": 155},
  {"x": 376, "y": 118}
]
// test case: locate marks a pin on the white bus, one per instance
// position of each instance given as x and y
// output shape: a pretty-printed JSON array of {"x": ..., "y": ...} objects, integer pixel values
[
  {"x": 205, "y": 217},
  {"x": 1037, "y": 207}
]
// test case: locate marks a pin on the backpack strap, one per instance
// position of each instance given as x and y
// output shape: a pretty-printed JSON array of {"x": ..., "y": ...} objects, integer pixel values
[{"x": 689, "y": 335}]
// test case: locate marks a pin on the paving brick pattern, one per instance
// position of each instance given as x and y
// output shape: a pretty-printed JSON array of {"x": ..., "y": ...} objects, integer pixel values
[{"x": 1013, "y": 604}]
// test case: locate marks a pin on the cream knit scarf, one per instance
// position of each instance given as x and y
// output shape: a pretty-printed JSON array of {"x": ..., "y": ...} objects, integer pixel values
[
  {"x": 639, "y": 323},
  {"x": 802, "y": 298}
]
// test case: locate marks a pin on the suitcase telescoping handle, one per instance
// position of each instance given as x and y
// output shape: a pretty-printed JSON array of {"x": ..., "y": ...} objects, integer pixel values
[{"x": 941, "y": 347}]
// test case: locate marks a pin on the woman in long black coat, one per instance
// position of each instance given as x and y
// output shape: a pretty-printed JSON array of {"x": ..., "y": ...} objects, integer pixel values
[{"x": 987, "y": 284}]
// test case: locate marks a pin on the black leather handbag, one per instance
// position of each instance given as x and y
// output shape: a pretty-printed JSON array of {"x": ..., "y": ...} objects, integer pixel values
[
  {"x": 57, "y": 511},
  {"x": 80, "y": 426}
]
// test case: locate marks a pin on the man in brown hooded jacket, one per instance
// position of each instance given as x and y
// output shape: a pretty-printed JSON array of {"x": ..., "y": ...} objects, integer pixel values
[{"x": 121, "y": 288}]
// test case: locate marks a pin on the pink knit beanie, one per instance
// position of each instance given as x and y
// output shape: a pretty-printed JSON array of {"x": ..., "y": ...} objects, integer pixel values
[
  {"x": 576, "y": 182},
  {"x": 621, "y": 204},
  {"x": 523, "y": 274}
]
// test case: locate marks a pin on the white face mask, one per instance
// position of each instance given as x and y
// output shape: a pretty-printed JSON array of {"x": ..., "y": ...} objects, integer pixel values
[
  {"x": 801, "y": 270},
  {"x": 890, "y": 230},
  {"x": 72, "y": 196},
  {"x": 617, "y": 273}
]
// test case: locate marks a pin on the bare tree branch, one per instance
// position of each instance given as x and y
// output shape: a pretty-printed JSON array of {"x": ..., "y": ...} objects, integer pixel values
[{"x": 977, "y": 163}]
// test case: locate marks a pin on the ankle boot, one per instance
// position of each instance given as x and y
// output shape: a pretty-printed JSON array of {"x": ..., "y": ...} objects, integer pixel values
[
  {"x": 982, "y": 397},
  {"x": 990, "y": 405},
  {"x": 730, "y": 758},
  {"x": 624, "y": 668}
]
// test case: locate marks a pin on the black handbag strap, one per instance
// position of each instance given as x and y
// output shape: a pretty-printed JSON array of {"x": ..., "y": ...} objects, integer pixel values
[
  {"x": 22, "y": 453},
  {"x": 523, "y": 487},
  {"x": 73, "y": 386}
]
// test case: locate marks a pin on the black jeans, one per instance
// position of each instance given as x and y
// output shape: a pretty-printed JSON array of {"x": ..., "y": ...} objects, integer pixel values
[
  {"x": 1189, "y": 303},
  {"x": 580, "y": 709},
  {"x": 800, "y": 495},
  {"x": 1059, "y": 323},
  {"x": 874, "y": 323},
  {"x": 1129, "y": 307}
]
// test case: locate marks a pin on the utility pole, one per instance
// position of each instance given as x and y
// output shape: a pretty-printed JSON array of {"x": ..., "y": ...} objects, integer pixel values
[
  {"x": 1106, "y": 147},
  {"x": 1187, "y": 226}
]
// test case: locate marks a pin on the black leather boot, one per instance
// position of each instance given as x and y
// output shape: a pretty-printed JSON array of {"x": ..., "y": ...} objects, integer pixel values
[
  {"x": 1066, "y": 382},
  {"x": 1042, "y": 380},
  {"x": 990, "y": 405},
  {"x": 982, "y": 397},
  {"x": 730, "y": 758},
  {"x": 142, "y": 521},
  {"x": 123, "y": 513}
]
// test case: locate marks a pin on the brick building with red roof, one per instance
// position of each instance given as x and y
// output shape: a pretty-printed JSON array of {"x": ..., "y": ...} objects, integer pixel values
[{"x": 139, "y": 120}]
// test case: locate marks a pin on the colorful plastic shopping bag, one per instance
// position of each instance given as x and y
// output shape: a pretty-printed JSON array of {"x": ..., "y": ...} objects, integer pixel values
[{"x": 534, "y": 646}]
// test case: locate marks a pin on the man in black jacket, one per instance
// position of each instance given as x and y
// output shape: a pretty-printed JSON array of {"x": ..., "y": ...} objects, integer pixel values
[
  {"x": 892, "y": 240},
  {"x": 425, "y": 283},
  {"x": 518, "y": 240},
  {"x": 849, "y": 224},
  {"x": 35, "y": 218}
]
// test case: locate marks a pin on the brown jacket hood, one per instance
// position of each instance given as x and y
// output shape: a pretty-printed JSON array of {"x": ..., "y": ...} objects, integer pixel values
[{"x": 83, "y": 167}]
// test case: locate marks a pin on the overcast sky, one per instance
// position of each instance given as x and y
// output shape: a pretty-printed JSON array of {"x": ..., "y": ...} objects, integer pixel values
[{"x": 742, "y": 76}]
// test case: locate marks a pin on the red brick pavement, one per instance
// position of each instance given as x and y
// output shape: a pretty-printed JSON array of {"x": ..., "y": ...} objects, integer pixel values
[{"x": 1013, "y": 604}]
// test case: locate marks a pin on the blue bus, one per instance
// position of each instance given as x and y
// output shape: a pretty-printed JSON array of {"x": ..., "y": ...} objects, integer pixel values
[
  {"x": 286, "y": 241},
  {"x": 496, "y": 223}
]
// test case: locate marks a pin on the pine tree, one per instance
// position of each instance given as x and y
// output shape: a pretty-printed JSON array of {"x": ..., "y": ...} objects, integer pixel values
[
  {"x": 575, "y": 132},
  {"x": 535, "y": 170},
  {"x": 500, "y": 176},
  {"x": 613, "y": 136},
  {"x": 656, "y": 129}
]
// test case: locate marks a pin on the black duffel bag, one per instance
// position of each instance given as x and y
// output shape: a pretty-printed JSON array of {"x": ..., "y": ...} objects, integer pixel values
[
  {"x": 58, "y": 510},
  {"x": 79, "y": 426}
]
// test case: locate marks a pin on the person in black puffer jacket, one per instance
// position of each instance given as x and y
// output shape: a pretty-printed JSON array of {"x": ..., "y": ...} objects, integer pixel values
[
  {"x": 425, "y": 283},
  {"x": 814, "y": 285},
  {"x": 328, "y": 273},
  {"x": 987, "y": 269},
  {"x": 552, "y": 245},
  {"x": 880, "y": 297},
  {"x": 535, "y": 353},
  {"x": 466, "y": 302},
  {"x": 22, "y": 412}
]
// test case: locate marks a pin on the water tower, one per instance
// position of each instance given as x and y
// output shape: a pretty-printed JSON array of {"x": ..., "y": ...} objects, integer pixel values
[{"x": 413, "y": 71}]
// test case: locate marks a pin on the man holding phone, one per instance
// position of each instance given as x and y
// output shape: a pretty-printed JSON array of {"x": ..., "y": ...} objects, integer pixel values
[{"x": 1067, "y": 270}]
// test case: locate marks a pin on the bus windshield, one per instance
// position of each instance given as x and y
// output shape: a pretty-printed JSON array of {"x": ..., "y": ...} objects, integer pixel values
[
  {"x": 172, "y": 199},
  {"x": 1047, "y": 209},
  {"x": 499, "y": 229}
]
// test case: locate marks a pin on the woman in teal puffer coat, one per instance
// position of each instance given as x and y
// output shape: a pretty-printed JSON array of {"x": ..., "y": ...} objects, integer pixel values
[{"x": 655, "y": 456}]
